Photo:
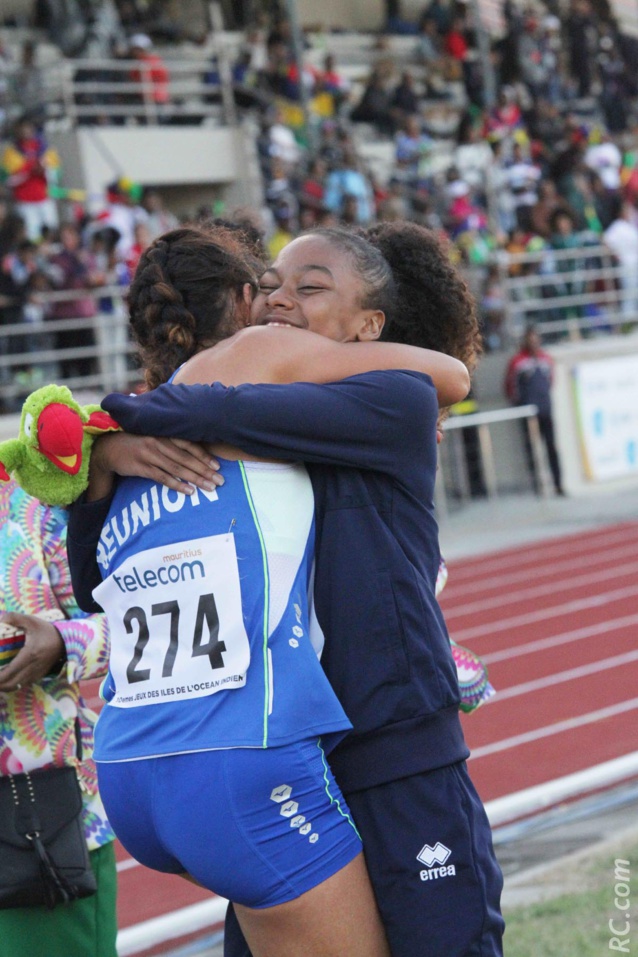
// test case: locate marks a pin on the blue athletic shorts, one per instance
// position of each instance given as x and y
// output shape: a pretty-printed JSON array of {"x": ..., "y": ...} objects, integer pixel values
[{"x": 259, "y": 827}]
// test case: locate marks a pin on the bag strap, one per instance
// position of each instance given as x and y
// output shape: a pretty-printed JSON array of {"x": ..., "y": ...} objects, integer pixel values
[
  {"x": 78, "y": 739},
  {"x": 56, "y": 887}
]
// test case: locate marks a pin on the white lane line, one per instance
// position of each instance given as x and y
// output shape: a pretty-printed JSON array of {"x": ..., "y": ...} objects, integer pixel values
[
  {"x": 479, "y": 584},
  {"x": 542, "y": 796},
  {"x": 177, "y": 923},
  {"x": 559, "y": 677},
  {"x": 558, "y": 728},
  {"x": 127, "y": 864},
  {"x": 530, "y": 618},
  {"x": 536, "y": 591},
  {"x": 544, "y": 644},
  {"x": 548, "y": 550}
]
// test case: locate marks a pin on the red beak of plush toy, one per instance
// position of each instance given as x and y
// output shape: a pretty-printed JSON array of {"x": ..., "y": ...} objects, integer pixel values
[{"x": 60, "y": 434}]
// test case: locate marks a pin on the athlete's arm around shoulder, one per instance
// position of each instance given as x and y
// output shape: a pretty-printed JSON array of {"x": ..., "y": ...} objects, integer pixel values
[{"x": 279, "y": 355}]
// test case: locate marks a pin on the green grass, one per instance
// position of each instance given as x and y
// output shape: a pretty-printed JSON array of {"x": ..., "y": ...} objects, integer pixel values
[{"x": 576, "y": 924}]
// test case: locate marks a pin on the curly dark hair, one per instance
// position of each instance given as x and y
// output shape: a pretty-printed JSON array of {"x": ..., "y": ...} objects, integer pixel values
[
  {"x": 184, "y": 296},
  {"x": 433, "y": 308},
  {"x": 248, "y": 234}
]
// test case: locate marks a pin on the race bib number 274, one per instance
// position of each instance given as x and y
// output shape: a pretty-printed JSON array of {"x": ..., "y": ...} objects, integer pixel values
[{"x": 176, "y": 623}]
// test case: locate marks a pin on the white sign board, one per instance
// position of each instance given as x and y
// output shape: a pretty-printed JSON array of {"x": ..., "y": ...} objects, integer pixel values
[{"x": 606, "y": 398}]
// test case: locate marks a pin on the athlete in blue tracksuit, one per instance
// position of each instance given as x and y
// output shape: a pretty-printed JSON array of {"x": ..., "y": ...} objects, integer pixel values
[{"x": 370, "y": 448}]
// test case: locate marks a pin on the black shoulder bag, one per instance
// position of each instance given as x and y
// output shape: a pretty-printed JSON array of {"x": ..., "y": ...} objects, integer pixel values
[{"x": 44, "y": 859}]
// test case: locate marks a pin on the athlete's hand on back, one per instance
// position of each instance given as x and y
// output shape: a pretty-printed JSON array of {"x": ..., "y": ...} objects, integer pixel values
[{"x": 176, "y": 463}]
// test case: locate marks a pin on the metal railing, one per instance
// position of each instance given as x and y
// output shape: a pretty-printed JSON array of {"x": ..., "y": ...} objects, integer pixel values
[
  {"x": 467, "y": 471},
  {"x": 101, "y": 359},
  {"x": 132, "y": 91},
  {"x": 568, "y": 293}
]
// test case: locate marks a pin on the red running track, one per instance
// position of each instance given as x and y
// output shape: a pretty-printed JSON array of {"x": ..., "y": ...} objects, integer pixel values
[{"x": 555, "y": 622}]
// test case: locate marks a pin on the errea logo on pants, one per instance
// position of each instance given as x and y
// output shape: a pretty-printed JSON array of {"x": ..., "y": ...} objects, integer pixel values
[{"x": 435, "y": 855}]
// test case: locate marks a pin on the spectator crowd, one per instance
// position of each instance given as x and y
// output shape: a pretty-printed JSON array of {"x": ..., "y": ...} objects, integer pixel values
[{"x": 527, "y": 162}]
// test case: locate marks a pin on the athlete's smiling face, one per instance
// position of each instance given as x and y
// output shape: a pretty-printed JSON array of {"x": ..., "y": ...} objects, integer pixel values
[{"x": 313, "y": 285}]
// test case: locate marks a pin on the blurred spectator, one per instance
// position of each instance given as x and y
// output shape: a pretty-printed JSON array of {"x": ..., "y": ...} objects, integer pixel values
[
  {"x": 492, "y": 309},
  {"x": 16, "y": 270},
  {"x": 552, "y": 83},
  {"x": 28, "y": 163},
  {"x": 29, "y": 82},
  {"x": 502, "y": 208},
  {"x": 254, "y": 46},
  {"x": 26, "y": 273},
  {"x": 395, "y": 21},
  {"x": 121, "y": 212},
  {"x": 331, "y": 81},
  {"x": 522, "y": 179},
  {"x": 413, "y": 151},
  {"x": 69, "y": 270},
  {"x": 536, "y": 65},
  {"x": 284, "y": 231},
  {"x": 312, "y": 190},
  {"x": 152, "y": 74},
  {"x": 439, "y": 12},
  {"x": 528, "y": 381},
  {"x": 547, "y": 125},
  {"x": 463, "y": 60},
  {"x": 348, "y": 181},
  {"x": 374, "y": 105},
  {"x": 506, "y": 115},
  {"x": 404, "y": 102},
  {"x": 160, "y": 220},
  {"x": 282, "y": 142},
  {"x": 547, "y": 204},
  {"x": 142, "y": 240},
  {"x": 105, "y": 36},
  {"x": 564, "y": 236},
  {"x": 599, "y": 204},
  {"x": 464, "y": 215},
  {"x": 428, "y": 47},
  {"x": 455, "y": 41},
  {"x": 6, "y": 62},
  {"x": 472, "y": 156},
  {"x": 394, "y": 205},
  {"x": 615, "y": 93},
  {"x": 622, "y": 238},
  {"x": 581, "y": 35},
  {"x": 605, "y": 159},
  {"x": 181, "y": 20},
  {"x": 279, "y": 186}
]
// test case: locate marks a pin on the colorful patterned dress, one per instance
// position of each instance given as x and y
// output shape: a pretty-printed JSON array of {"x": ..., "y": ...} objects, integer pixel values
[
  {"x": 471, "y": 671},
  {"x": 38, "y": 723}
]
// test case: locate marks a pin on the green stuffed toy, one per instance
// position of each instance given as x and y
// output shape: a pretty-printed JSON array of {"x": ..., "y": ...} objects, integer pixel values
[{"x": 50, "y": 458}]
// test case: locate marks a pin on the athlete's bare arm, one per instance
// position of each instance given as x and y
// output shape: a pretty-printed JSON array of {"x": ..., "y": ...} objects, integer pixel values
[
  {"x": 269, "y": 354},
  {"x": 261, "y": 354}
]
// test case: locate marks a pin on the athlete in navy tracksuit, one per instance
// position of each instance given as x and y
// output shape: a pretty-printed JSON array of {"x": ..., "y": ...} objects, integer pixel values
[{"x": 369, "y": 444}]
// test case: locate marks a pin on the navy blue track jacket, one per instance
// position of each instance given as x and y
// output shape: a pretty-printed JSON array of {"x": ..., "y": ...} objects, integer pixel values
[{"x": 369, "y": 443}]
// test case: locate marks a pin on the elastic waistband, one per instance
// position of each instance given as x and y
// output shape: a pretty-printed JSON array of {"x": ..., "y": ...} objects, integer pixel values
[{"x": 399, "y": 750}]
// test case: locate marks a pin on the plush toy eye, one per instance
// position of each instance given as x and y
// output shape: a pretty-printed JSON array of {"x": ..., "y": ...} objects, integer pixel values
[{"x": 28, "y": 424}]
